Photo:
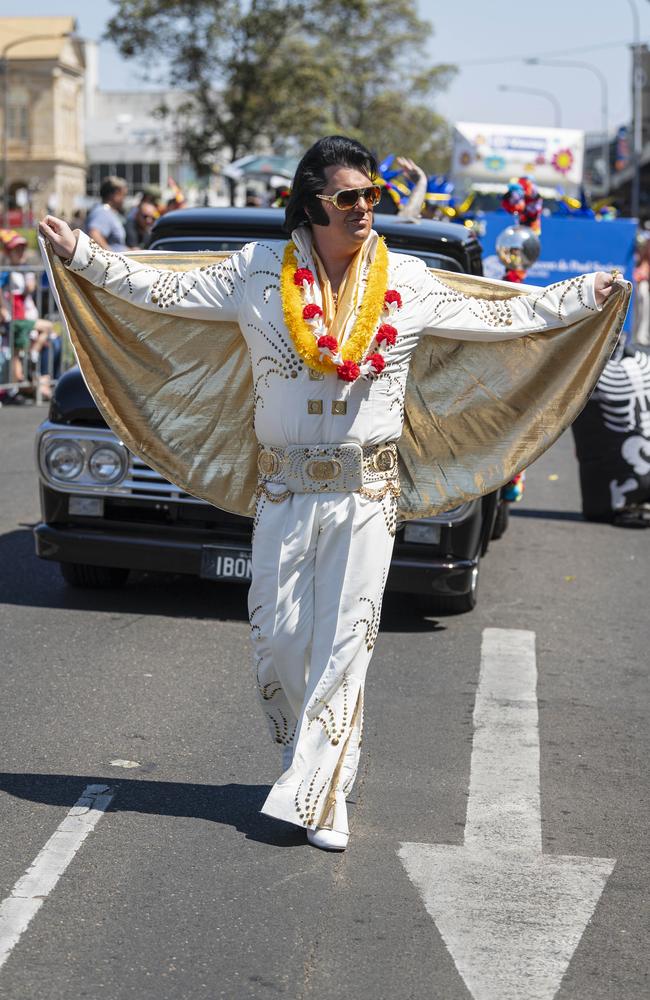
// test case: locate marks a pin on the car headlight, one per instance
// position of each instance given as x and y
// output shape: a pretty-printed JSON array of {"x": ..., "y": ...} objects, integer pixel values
[
  {"x": 106, "y": 464},
  {"x": 64, "y": 460}
]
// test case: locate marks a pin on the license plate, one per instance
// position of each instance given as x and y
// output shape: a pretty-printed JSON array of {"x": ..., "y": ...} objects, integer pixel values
[{"x": 218, "y": 563}]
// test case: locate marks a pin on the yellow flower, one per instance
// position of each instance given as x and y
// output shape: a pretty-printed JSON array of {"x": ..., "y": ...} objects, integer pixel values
[{"x": 363, "y": 331}]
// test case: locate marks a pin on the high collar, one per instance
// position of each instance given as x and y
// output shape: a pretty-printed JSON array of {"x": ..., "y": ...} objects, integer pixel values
[{"x": 340, "y": 310}]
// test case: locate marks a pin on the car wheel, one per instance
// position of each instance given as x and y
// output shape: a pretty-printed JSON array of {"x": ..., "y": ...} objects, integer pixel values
[
  {"x": 456, "y": 604},
  {"x": 501, "y": 520},
  {"x": 94, "y": 577}
]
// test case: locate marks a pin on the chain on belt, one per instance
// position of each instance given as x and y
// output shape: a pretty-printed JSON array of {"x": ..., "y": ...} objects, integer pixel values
[{"x": 370, "y": 470}]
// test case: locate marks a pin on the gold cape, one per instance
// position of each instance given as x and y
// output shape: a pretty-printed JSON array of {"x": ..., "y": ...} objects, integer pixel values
[{"x": 178, "y": 392}]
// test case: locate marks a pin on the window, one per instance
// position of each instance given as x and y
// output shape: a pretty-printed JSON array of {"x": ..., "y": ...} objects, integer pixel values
[{"x": 18, "y": 121}]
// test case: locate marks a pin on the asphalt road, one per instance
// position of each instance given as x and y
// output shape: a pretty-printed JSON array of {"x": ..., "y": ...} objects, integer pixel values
[{"x": 184, "y": 890}]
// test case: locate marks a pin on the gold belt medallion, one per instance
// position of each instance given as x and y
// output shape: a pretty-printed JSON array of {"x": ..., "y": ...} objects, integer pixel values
[
  {"x": 268, "y": 463},
  {"x": 322, "y": 470}
]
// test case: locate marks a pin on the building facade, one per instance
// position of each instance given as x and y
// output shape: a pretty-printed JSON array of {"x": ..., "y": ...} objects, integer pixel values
[
  {"x": 43, "y": 72},
  {"x": 127, "y": 135}
]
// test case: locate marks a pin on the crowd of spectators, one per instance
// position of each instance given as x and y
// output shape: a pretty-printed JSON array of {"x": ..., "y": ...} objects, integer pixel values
[{"x": 30, "y": 345}]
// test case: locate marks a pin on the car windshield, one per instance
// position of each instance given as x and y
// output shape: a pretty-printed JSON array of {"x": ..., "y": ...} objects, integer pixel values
[{"x": 194, "y": 244}]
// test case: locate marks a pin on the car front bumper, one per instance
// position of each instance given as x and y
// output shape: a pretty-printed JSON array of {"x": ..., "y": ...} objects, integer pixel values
[{"x": 172, "y": 552}]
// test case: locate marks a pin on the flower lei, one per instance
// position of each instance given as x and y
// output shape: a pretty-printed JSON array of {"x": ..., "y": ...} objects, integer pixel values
[{"x": 303, "y": 316}]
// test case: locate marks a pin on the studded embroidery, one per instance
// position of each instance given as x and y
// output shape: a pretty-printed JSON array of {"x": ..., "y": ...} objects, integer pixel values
[
  {"x": 327, "y": 718},
  {"x": 268, "y": 690},
  {"x": 259, "y": 508},
  {"x": 372, "y": 621},
  {"x": 388, "y": 506},
  {"x": 256, "y": 631},
  {"x": 283, "y": 731},
  {"x": 307, "y": 807}
]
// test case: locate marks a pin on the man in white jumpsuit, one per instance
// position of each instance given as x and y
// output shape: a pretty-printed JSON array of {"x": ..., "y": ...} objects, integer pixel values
[{"x": 328, "y": 488}]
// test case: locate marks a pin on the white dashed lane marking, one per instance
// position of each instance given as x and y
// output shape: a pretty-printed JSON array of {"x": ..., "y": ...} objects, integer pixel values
[
  {"x": 510, "y": 916},
  {"x": 31, "y": 891}
]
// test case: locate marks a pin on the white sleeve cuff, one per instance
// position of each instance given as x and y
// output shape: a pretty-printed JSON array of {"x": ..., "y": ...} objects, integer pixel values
[
  {"x": 589, "y": 291},
  {"x": 81, "y": 255}
]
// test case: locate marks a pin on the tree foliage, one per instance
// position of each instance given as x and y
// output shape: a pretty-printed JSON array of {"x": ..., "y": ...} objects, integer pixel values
[{"x": 287, "y": 72}]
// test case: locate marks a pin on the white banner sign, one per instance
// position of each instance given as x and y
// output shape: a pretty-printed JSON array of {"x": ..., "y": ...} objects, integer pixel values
[{"x": 487, "y": 154}]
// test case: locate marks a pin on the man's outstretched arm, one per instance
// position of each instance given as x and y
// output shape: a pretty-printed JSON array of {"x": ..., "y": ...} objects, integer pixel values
[
  {"x": 446, "y": 312},
  {"x": 212, "y": 292}
]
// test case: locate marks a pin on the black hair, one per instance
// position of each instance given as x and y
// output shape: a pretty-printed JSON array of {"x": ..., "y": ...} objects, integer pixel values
[
  {"x": 334, "y": 150},
  {"x": 110, "y": 185}
]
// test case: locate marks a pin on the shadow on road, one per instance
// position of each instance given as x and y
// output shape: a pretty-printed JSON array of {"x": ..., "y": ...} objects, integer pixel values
[
  {"x": 230, "y": 805},
  {"x": 27, "y": 581}
]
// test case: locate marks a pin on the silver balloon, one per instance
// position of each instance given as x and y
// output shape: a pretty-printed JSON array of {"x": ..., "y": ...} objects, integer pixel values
[{"x": 518, "y": 247}]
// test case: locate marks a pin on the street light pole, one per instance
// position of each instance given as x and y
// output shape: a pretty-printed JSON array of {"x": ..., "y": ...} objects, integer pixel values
[
  {"x": 604, "y": 101},
  {"x": 636, "y": 112},
  {"x": 5, "y": 122},
  {"x": 538, "y": 93}
]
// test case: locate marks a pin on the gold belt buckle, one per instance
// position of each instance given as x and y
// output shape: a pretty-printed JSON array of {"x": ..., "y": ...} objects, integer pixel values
[
  {"x": 321, "y": 470},
  {"x": 384, "y": 460},
  {"x": 268, "y": 462}
]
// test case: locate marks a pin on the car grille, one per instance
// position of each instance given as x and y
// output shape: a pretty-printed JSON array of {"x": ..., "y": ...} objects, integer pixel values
[{"x": 144, "y": 483}]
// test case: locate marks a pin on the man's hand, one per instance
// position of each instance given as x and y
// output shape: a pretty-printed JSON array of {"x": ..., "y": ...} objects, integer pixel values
[
  {"x": 410, "y": 169},
  {"x": 604, "y": 286},
  {"x": 58, "y": 233}
]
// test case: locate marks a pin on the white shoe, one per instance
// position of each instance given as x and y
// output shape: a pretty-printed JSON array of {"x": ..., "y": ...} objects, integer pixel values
[{"x": 336, "y": 838}]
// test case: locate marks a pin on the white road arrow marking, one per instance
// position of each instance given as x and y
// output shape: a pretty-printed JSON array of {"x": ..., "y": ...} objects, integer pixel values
[
  {"x": 30, "y": 891},
  {"x": 510, "y": 916}
]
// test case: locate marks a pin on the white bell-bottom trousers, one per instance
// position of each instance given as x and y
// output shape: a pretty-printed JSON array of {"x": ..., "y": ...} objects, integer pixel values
[{"x": 319, "y": 569}]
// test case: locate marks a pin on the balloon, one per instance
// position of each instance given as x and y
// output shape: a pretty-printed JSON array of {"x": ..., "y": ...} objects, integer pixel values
[{"x": 518, "y": 247}]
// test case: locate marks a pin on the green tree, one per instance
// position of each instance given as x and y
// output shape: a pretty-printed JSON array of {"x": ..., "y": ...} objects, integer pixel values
[{"x": 286, "y": 72}]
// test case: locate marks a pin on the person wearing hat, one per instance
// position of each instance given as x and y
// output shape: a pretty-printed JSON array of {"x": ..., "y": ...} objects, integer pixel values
[{"x": 28, "y": 332}]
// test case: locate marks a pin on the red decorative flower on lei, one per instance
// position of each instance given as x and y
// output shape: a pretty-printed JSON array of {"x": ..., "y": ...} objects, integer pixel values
[
  {"x": 349, "y": 371},
  {"x": 303, "y": 274},
  {"x": 386, "y": 332},
  {"x": 311, "y": 311},
  {"x": 393, "y": 296},
  {"x": 377, "y": 361},
  {"x": 329, "y": 343}
]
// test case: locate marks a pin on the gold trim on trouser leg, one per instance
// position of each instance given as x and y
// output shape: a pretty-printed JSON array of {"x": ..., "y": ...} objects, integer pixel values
[{"x": 328, "y": 808}]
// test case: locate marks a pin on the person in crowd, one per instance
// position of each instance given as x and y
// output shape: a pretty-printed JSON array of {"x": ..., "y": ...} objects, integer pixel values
[
  {"x": 253, "y": 199},
  {"x": 29, "y": 333},
  {"x": 105, "y": 222},
  {"x": 177, "y": 201},
  {"x": 279, "y": 196},
  {"x": 140, "y": 220},
  {"x": 410, "y": 210}
]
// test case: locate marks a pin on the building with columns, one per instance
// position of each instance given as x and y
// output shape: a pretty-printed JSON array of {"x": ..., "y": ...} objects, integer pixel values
[{"x": 44, "y": 131}]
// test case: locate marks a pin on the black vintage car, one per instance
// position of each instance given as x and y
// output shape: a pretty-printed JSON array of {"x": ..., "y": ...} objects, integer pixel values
[{"x": 105, "y": 512}]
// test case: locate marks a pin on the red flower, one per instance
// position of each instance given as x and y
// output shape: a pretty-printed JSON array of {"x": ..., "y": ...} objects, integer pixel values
[
  {"x": 377, "y": 361},
  {"x": 393, "y": 296},
  {"x": 303, "y": 274},
  {"x": 349, "y": 371},
  {"x": 386, "y": 332},
  {"x": 329, "y": 342},
  {"x": 311, "y": 311}
]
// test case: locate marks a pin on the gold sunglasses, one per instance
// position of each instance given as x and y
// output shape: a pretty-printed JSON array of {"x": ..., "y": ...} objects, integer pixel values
[{"x": 348, "y": 198}]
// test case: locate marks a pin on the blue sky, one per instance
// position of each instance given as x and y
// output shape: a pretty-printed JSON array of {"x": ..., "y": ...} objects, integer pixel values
[{"x": 468, "y": 33}]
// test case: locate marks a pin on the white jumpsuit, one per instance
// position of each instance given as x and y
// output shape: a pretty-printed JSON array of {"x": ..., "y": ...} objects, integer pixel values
[{"x": 320, "y": 561}]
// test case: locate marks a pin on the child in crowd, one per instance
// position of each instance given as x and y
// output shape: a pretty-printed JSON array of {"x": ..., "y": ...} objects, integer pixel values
[{"x": 28, "y": 333}]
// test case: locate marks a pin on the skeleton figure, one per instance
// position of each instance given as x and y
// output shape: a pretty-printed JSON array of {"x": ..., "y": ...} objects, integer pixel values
[{"x": 623, "y": 396}]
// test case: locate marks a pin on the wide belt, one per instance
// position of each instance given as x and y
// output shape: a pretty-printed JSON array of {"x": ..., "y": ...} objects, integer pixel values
[{"x": 332, "y": 468}]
